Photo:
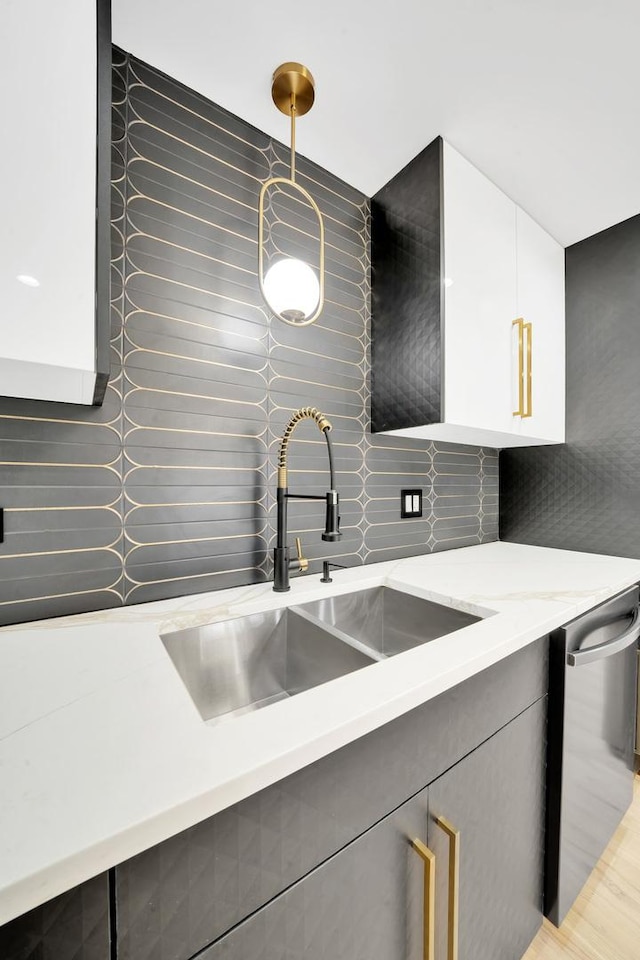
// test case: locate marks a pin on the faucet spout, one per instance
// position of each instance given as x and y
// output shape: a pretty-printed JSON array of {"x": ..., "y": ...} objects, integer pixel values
[
  {"x": 332, "y": 520},
  {"x": 282, "y": 562}
]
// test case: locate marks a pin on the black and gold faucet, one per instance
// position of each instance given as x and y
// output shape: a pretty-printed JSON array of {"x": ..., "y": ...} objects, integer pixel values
[{"x": 282, "y": 563}]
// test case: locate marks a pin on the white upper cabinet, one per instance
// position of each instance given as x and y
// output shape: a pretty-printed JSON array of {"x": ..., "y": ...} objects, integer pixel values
[
  {"x": 540, "y": 307},
  {"x": 479, "y": 278},
  {"x": 468, "y": 310},
  {"x": 54, "y": 227}
]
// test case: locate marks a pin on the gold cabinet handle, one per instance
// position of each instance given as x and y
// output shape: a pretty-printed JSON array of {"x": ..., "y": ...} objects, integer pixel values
[
  {"x": 454, "y": 885},
  {"x": 429, "y": 860},
  {"x": 520, "y": 325},
  {"x": 529, "y": 328}
]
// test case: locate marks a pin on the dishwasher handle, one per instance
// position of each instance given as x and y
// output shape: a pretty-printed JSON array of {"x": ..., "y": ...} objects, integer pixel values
[{"x": 609, "y": 648}]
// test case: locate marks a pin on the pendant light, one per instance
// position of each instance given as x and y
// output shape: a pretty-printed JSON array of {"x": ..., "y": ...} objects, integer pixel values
[{"x": 290, "y": 287}]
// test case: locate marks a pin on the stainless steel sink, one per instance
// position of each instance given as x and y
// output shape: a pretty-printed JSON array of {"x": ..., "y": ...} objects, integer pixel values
[
  {"x": 386, "y": 621},
  {"x": 235, "y": 666}
]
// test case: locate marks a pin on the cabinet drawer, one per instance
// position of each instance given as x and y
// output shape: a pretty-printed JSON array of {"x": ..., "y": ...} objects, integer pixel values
[{"x": 183, "y": 894}]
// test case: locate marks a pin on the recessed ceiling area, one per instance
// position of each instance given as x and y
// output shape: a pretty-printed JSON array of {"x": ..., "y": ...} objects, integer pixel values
[{"x": 541, "y": 95}]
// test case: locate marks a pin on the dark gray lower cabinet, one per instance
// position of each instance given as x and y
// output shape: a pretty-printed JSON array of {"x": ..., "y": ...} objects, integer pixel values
[
  {"x": 73, "y": 926},
  {"x": 494, "y": 798},
  {"x": 185, "y": 893},
  {"x": 366, "y": 902}
]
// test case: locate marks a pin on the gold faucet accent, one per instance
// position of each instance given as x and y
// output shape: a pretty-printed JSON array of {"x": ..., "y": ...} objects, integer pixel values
[
  {"x": 303, "y": 563},
  {"x": 304, "y": 413}
]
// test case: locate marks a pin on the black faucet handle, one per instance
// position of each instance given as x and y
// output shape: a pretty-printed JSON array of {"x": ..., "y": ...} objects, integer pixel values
[
  {"x": 326, "y": 567},
  {"x": 332, "y": 520}
]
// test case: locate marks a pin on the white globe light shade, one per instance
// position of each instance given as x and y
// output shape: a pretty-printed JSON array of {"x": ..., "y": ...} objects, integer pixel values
[{"x": 291, "y": 289}]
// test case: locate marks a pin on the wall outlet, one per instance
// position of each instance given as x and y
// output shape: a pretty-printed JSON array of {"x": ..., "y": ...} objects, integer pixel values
[{"x": 410, "y": 503}]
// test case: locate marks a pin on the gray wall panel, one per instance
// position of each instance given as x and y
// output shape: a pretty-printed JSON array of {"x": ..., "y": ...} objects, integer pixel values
[
  {"x": 168, "y": 488},
  {"x": 585, "y": 494}
]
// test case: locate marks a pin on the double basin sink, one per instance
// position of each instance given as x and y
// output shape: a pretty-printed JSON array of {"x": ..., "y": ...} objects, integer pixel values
[{"x": 236, "y": 666}]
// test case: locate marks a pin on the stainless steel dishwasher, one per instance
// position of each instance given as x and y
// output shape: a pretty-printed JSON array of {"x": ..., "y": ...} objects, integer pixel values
[{"x": 591, "y": 734}]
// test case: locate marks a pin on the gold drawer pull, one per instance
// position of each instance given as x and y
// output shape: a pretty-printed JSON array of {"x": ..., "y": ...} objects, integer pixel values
[
  {"x": 454, "y": 885},
  {"x": 429, "y": 860},
  {"x": 520, "y": 325},
  {"x": 524, "y": 377},
  {"x": 529, "y": 328}
]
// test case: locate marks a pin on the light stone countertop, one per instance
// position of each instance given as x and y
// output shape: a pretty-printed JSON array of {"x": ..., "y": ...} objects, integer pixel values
[{"x": 103, "y": 753}]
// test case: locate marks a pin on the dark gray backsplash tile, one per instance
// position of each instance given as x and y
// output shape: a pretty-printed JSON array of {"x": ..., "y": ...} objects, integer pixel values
[{"x": 169, "y": 488}]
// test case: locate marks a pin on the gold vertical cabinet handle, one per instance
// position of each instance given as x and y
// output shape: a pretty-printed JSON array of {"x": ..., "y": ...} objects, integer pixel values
[
  {"x": 520, "y": 325},
  {"x": 429, "y": 860},
  {"x": 454, "y": 885},
  {"x": 529, "y": 328}
]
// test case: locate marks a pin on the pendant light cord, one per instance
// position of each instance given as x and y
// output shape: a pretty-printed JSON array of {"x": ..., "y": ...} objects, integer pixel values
[{"x": 293, "y": 137}]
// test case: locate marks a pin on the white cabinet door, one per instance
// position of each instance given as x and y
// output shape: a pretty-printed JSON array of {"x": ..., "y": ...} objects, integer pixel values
[
  {"x": 480, "y": 298},
  {"x": 48, "y": 234},
  {"x": 540, "y": 303}
]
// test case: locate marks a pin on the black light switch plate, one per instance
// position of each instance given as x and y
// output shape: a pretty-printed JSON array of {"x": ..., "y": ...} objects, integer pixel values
[{"x": 410, "y": 503}]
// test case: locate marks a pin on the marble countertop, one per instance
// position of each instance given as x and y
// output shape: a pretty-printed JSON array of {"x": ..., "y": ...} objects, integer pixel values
[{"x": 103, "y": 753}]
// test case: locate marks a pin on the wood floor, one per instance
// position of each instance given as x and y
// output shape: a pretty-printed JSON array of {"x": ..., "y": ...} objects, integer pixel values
[{"x": 604, "y": 922}]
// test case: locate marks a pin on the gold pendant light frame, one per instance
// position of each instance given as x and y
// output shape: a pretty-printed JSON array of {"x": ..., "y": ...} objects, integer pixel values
[
  {"x": 314, "y": 206},
  {"x": 293, "y": 92}
]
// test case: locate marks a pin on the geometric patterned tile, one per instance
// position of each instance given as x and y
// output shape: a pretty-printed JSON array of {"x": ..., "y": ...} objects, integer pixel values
[
  {"x": 585, "y": 494},
  {"x": 168, "y": 488}
]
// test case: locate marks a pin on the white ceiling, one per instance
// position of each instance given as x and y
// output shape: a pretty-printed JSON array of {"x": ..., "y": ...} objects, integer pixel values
[{"x": 541, "y": 95}]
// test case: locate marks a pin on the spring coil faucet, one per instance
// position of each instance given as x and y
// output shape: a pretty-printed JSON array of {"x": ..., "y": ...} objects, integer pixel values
[{"x": 282, "y": 562}]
